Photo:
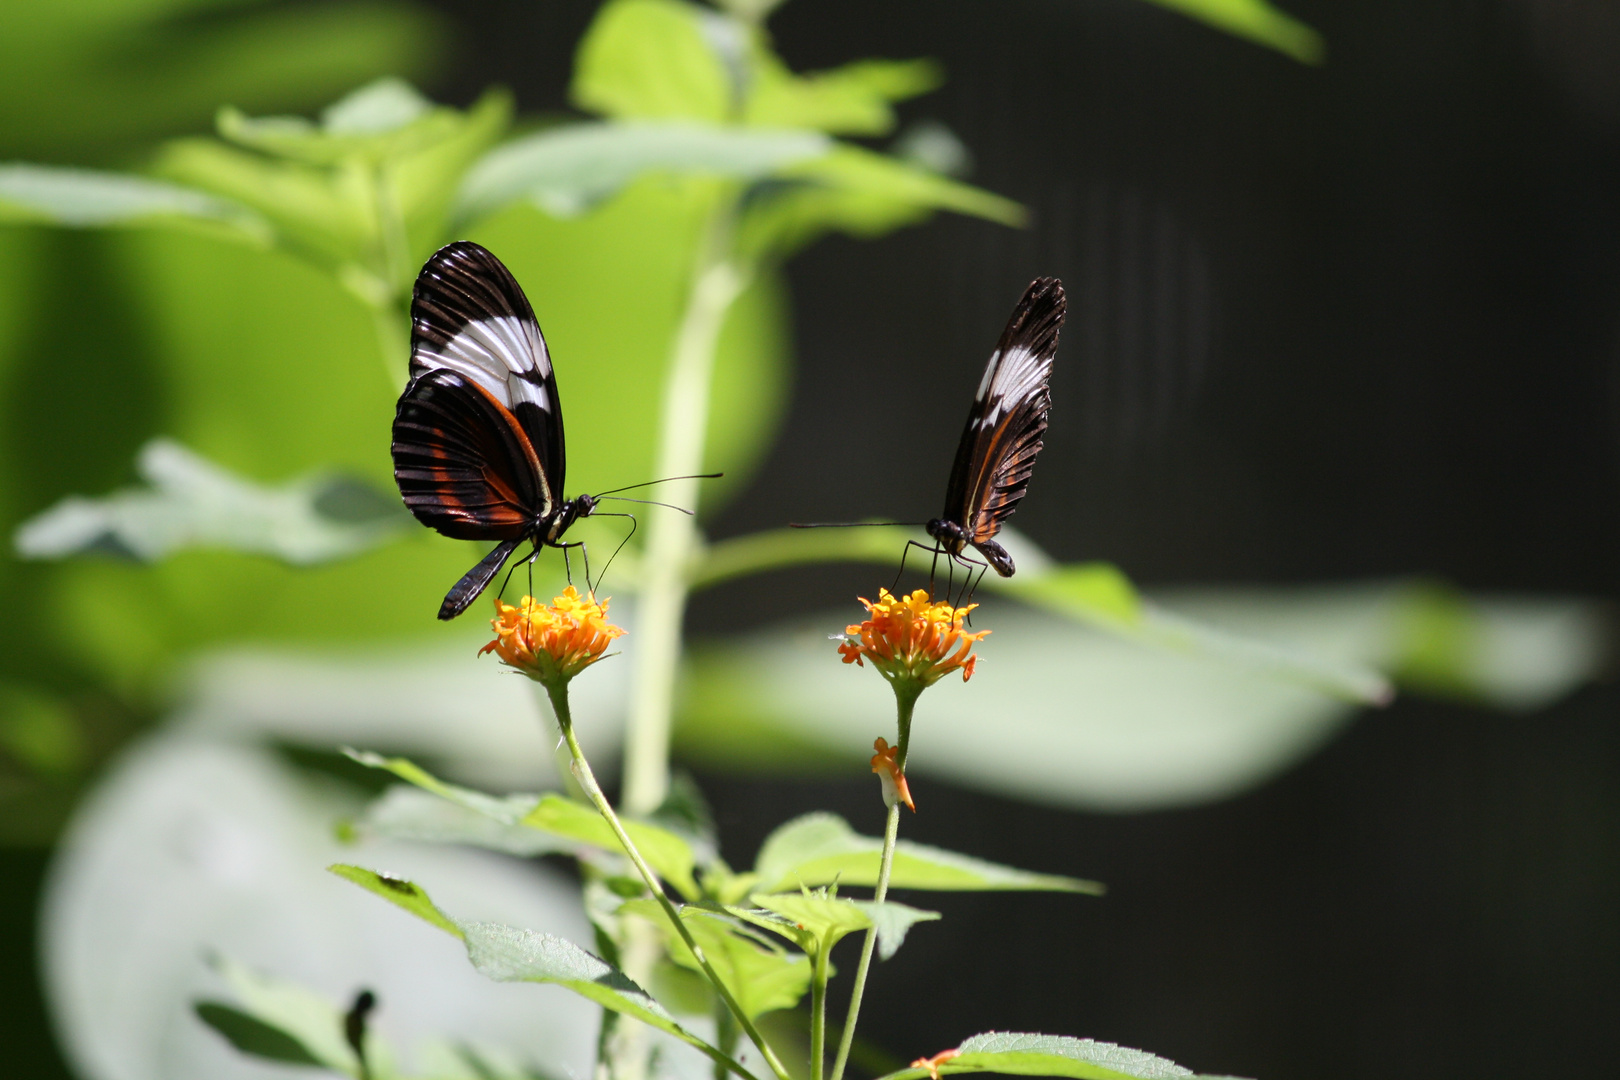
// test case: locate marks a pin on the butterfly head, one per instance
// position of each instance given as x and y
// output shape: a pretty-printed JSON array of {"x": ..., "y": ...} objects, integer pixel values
[
  {"x": 568, "y": 513},
  {"x": 951, "y": 536}
]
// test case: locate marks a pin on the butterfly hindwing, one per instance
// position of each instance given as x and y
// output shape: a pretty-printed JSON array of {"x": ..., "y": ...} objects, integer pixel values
[
  {"x": 470, "y": 316},
  {"x": 463, "y": 464},
  {"x": 996, "y": 457}
]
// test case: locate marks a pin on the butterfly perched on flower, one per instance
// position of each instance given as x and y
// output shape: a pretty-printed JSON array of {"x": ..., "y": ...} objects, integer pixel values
[
  {"x": 996, "y": 455},
  {"x": 478, "y": 434}
]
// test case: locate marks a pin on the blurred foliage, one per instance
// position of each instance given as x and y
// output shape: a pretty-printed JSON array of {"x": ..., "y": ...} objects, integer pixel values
[{"x": 1259, "y": 22}]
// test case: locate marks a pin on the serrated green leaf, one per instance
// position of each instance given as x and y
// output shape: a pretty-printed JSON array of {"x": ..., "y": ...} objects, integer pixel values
[
  {"x": 1258, "y": 21},
  {"x": 1020, "y": 1054},
  {"x": 665, "y": 852},
  {"x": 399, "y": 892},
  {"x": 829, "y": 920},
  {"x": 507, "y": 810},
  {"x": 821, "y": 848},
  {"x": 304, "y": 1017},
  {"x": 654, "y": 60},
  {"x": 761, "y": 976},
  {"x": 252, "y": 1036},
  {"x": 83, "y": 198},
  {"x": 410, "y": 813},
  {"x": 192, "y": 503},
  {"x": 508, "y": 954},
  {"x": 567, "y": 170}
]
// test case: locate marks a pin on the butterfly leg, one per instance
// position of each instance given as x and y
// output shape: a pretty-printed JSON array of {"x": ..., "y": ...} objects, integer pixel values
[
  {"x": 584, "y": 554},
  {"x": 906, "y": 551},
  {"x": 633, "y": 525}
]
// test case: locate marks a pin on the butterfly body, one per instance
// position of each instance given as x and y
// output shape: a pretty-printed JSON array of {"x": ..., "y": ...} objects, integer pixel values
[
  {"x": 996, "y": 455},
  {"x": 478, "y": 434}
]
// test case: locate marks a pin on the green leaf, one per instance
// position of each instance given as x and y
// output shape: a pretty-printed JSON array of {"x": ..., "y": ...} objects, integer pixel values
[
  {"x": 761, "y": 976},
  {"x": 510, "y": 954},
  {"x": 400, "y": 893},
  {"x": 860, "y": 192},
  {"x": 410, "y": 813},
  {"x": 252, "y": 1036},
  {"x": 192, "y": 503},
  {"x": 656, "y": 60},
  {"x": 665, "y": 852},
  {"x": 1019, "y": 1054},
  {"x": 821, "y": 848},
  {"x": 301, "y": 1016},
  {"x": 567, "y": 170},
  {"x": 1257, "y": 21},
  {"x": 829, "y": 920},
  {"x": 850, "y": 100},
  {"x": 41, "y": 731},
  {"x": 82, "y": 198}
]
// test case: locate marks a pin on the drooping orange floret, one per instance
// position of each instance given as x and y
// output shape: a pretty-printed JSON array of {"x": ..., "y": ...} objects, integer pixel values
[
  {"x": 887, "y": 766},
  {"x": 912, "y": 638},
  {"x": 932, "y": 1064},
  {"x": 552, "y": 642}
]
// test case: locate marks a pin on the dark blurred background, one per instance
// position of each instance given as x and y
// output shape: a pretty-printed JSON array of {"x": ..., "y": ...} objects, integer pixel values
[{"x": 1327, "y": 323}]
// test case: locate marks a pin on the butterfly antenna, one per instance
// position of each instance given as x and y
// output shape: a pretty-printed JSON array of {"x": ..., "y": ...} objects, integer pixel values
[
  {"x": 854, "y": 524},
  {"x": 665, "y": 480},
  {"x": 647, "y": 502},
  {"x": 633, "y": 524}
]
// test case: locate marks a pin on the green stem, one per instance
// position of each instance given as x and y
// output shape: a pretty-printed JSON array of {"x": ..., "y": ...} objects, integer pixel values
[
  {"x": 818, "y": 1016},
  {"x": 906, "y": 703},
  {"x": 672, "y": 538},
  {"x": 587, "y": 780},
  {"x": 388, "y": 322}
]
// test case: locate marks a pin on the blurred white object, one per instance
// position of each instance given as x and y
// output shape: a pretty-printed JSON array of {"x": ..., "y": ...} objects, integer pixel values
[{"x": 190, "y": 845}]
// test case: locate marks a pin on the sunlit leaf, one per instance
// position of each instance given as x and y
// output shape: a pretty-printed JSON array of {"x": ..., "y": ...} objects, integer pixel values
[
  {"x": 569, "y": 169},
  {"x": 193, "y": 503},
  {"x": 821, "y": 848},
  {"x": 761, "y": 976},
  {"x": 410, "y": 813},
  {"x": 1258, "y": 21},
  {"x": 82, "y": 198},
  {"x": 403, "y": 894},
  {"x": 1020, "y": 1054},
  {"x": 851, "y": 100}
]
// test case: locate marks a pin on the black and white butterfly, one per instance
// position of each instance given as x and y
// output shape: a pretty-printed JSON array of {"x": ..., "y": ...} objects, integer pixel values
[
  {"x": 478, "y": 435},
  {"x": 996, "y": 456}
]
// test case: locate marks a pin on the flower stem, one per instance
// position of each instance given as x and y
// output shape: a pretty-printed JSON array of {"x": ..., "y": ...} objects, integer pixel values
[
  {"x": 587, "y": 780},
  {"x": 818, "y": 1016},
  {"x": 906, "y": 702},
  {"x": 717, "y": 281}
]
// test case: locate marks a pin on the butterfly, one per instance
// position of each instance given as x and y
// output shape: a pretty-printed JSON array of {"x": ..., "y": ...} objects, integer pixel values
[
  {"x": 996, "y": 455},
  {"x": 478, "y": 434}
]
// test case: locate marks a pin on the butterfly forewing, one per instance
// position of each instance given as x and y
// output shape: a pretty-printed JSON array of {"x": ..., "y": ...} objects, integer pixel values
[
  {"x": 470, "y": 316},
  {"x": 996, "y": 456}
]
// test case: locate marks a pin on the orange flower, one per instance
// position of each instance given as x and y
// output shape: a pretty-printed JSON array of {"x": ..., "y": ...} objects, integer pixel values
[
  {"x": 932, "y": 1064},
  {"x": 912, "y": 639},
  {"x": 552, "y": 642},
  {"x": 887, "y": 766}
]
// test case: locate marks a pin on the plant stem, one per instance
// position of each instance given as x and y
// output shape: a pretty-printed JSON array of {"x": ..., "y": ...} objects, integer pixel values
[
  {"x": 906, "y": 702},
  {"x": 818, "y": 1016},
  {"x": 587, "y": 780},
  {"x": 717, "y": 280}
]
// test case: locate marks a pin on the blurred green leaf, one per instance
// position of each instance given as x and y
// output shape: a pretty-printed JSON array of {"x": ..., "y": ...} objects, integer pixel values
[
  {"x": 658, "y": 60},
  {"x": 821, "y": 848},
  {"x": 1257, "y": 21},
  {"x": 93, "y": 82},
  {"x": 406, "y": 895},
  {"x": 859, "y": 192},
  {"x": 851, "y": 100},
  {"x": 82, "y": 198},
  {"x": 192, "y": 503},
  {"x": 40, "y": 731},
  {"x": 1012, "y": 1053},
  {"x": 305, "y": 1019},
  {"x": 567, "y": 170},
  {"x": 410, "y": 813},
  {"x": 254, "y": 1037},
  {"x": 761, "y": 976}
]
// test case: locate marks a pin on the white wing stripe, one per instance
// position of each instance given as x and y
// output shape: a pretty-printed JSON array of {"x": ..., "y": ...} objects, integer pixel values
[{"x": 496, "y": 353}]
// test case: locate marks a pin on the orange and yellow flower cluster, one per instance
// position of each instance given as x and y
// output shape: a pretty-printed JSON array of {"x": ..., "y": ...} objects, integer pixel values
[
  {"x": 912, "y": 639},
  {"x": 552, "y": 642}
]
